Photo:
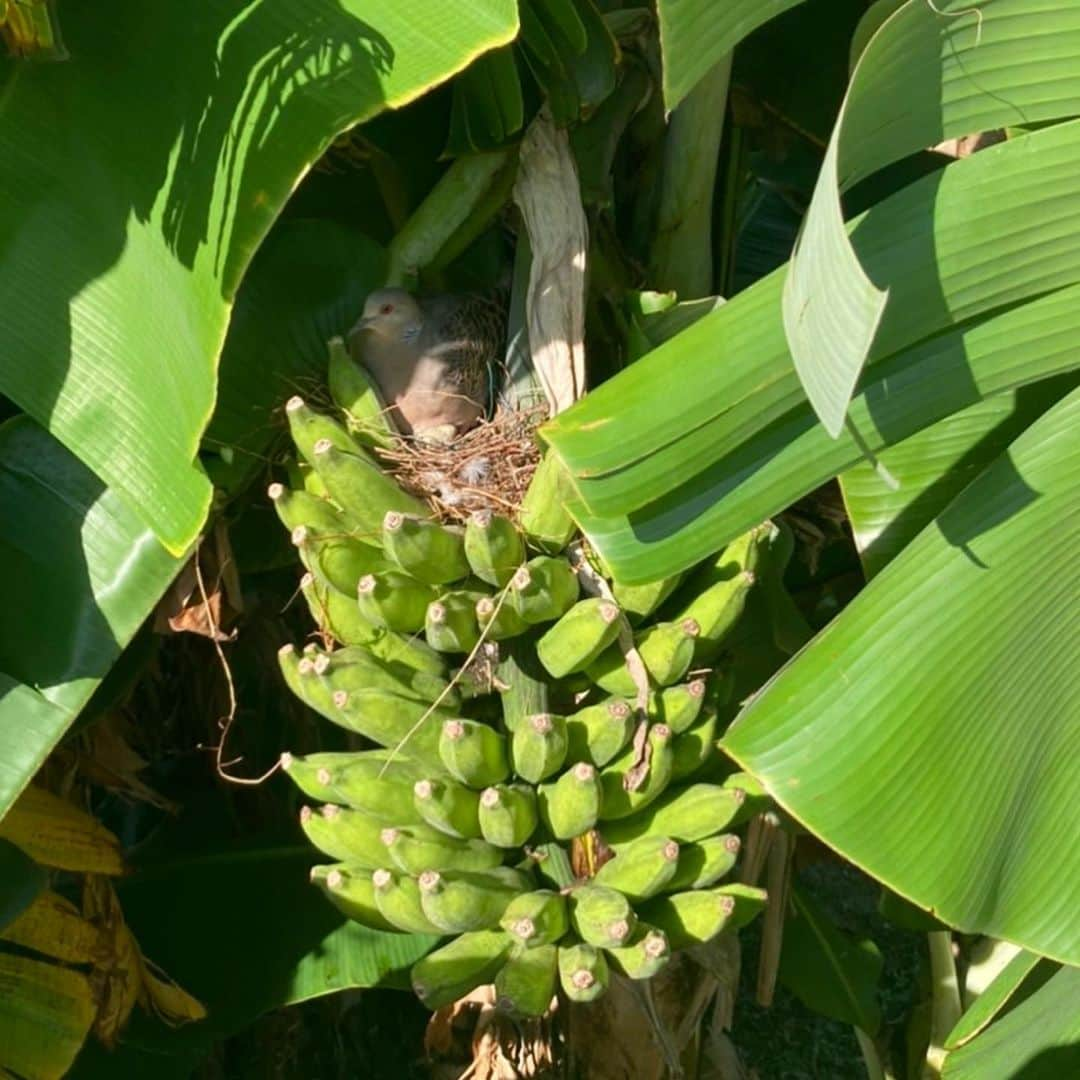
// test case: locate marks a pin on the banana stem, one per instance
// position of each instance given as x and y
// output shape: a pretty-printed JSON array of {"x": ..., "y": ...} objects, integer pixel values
[
  {"x": 875, "y": 1069},
  {"x": 682, "y": 249},
  {"x": 945, "y": 1007},
  {"x": 461, "y": 191}
]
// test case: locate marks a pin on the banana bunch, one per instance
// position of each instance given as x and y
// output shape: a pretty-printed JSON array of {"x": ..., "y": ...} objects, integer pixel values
[{"x": 526, "y": 794}]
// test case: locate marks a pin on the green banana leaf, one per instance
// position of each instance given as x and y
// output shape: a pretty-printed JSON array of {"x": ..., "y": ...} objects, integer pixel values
[
  {"x": 21, "y": 879},
  {"x": 830, "y": 971},
  {"x": 306, "y": 284},
  {"x": 995, "y": 998},
  {"x": 138, "y": 180},
  {"x": 666, "y": 478},
  {"x": 929, "y": 733},
  {"x": 930, "y": 72},
  {"x": 236, "y": 922},
  {"x": 696, "y": 34},
  {"x": 889, "y": 501},
  {"x": 1038, "y": 1040},
  {"x": 80, "y": 574}
]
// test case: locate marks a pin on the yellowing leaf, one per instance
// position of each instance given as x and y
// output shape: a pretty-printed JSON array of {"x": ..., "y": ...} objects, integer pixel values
[
  {"x": 55, "y": 833},
  {"x": 117, "y": 979},
  {"x": 45, "y": 1015},
  {"x": 30, "y": 28},
  {"x": 169, "y": 1002},
  {"x": 53, "y": 926}
]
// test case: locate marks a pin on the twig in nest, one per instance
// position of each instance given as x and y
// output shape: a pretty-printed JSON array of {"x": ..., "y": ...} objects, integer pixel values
[{"x": 488, "y": 468}]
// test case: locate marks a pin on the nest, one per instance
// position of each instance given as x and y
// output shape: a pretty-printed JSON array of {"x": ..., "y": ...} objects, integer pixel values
[{"x": 487, "y": 468}]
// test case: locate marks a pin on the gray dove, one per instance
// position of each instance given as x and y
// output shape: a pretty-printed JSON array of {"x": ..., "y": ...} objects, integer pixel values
[{"x": 435, "y": 357}]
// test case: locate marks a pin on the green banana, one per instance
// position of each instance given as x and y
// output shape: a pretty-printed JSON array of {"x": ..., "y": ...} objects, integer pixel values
[
  {"x": 310, "y": 776},
  {"x": 339, "y": 561},
  {"x": 297, "y": 508},
  {"x": 638, "y": 601},
  {"x": 493, "y": 547},
  {"x": 448, "y": 806},
  {"x": 703, "y": 863},
  {"x": 571, "y": 805},
  {"x": 308, "y": 428},
  {"x": 450, "y": 623},
  {"x": 508, "y": 814},
  {"x": 299, "y": 674},
  {"x": 543, "y": 516},
  {"x": 302, "y": 477},
  {"x": 583, "y": 972},
  {"x": 411, "y": 727},
  {"x": 431, "y": 553},
  {"x": 363, "y": 491},
  {"x": 679, "y": 706},
  {"x": 410, "y": 651},
  {"x": 642, "y": 869},
  {"x": 397, "y": 896},
  {"x": 393, "y": 599},
  {"x": 621, "y": 802},
  {"x": 357, "y": 397},
  {"x": 686, "y": 814},
  {"x": 381, "y": 788},
  {"x": 642, "y": 957},
  {"x": 526, "y": 690},
  {"x": 347, "y": 835},
  {"x": 749, "y": 901},
  {"x": 579, "y": 637},
  {"x": 693, "y": 748},
  {"x": 598, "y": 732},
  {"x": 600, "y": 916},
  {"x": 419, "y": 848},
  {"x": 337, "y": 614},
  {"x": 357, "y": 668},
  {"x": 666, "y": 650},
  {"x": 720, "y": 590},
  {"x": 755, "y": 798},
  {"x": 690, "y": 918},
  {"x": 459, "y": 901},
  {"x": 350, "y": 890},
  {"x": 544, "y": 589},
  {"x": 536, "y": 918},
  {"x": 525, "y": 984},
  {"x": 468, "y": 961},
  {"x": 538, "y": 746},
  {"x": 498, "y": 620},
  {"x": 473, "y": 753}
]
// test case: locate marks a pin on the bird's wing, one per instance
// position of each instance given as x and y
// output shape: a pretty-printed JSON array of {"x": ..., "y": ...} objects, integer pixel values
[{"x": 469, "y": 334}]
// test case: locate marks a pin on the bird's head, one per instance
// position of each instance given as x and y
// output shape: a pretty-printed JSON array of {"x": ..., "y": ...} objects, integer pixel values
[{"x": 390, "y": 313}]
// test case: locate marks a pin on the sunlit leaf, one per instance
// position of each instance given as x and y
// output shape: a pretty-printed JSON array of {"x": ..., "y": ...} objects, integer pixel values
[
  {"x": 929, "y": 733},
  {"x": 139, "y": 178}
]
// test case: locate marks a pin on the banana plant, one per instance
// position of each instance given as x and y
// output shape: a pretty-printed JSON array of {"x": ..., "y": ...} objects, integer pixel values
[{"x": 922, "y": 355}]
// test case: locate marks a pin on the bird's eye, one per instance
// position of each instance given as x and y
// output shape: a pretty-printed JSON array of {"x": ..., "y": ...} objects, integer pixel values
[{"x": 386, "y": 309}]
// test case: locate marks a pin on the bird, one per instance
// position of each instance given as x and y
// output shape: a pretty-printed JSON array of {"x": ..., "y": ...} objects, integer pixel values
[{"x": 434, "y": 357}]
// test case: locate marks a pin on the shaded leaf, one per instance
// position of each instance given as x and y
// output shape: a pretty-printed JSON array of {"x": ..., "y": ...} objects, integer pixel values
[
  {"x": 993, "y": 999},
  {"x": 829, "y": 971},
  {"x": 83, "y": 572},
  {"x": 1038, "y": 1040},
  {"x": 21, "y": 880},
  {"x": 890, "y": 500},
  {"x": 696, "y": 34},
  {"x": 45, "y": 1015}
]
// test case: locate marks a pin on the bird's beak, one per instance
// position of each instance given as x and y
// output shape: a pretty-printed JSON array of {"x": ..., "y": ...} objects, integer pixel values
[{"x": 361, "y": 325}]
